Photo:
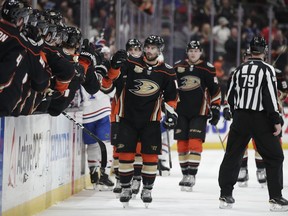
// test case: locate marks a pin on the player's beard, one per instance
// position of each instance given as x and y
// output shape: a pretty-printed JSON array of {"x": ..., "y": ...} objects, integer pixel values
[{"x": 150, "y": 58}]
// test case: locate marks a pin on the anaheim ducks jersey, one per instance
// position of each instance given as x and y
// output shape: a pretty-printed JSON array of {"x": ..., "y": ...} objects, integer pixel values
[
  {"x": 23, "y": 69},
  {"x": 198, "y": 88},
  {"x": 143, "y": 87}
]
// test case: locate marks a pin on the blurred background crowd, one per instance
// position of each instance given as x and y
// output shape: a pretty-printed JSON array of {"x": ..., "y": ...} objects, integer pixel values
[{"x": 224, "y": 27}]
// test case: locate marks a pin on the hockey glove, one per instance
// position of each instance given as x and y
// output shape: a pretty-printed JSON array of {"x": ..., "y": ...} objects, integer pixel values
[
  {"x": 118, "y": 59},
  {"x": 227, "y": 114},
  {"x": 171, "y": 117},
  {"x": 79, "y": 72},
  {"x": 87, "y": 51},
  {"x": 215, "y": 115},
  {"x": 103, "y": 68}
]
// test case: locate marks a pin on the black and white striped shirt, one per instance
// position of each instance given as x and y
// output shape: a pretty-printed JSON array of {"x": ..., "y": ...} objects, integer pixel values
[{"x": 253, "y": 86}]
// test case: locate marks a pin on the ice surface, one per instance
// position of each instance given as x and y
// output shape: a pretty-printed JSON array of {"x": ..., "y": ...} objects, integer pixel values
[{"x": 169, "y": 200}]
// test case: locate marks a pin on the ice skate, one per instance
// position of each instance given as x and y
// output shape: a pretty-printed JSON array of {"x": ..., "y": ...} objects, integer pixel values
[
  {"x": 162, "y": 169},
  {"x": 189, "y": 183},
  {"x": 226, "y": 202},
  {"x": 125, "y": 196},
  {"x": 278, "y": 204},
  {"x": 104, "y": 182},
  {"x": 135, "y": 187},
  {"x": 146, "y": 196},
  {"x": 94, "y": 176},
  {"x": 182, "y": 182},
  {"x": 243, "y": 177},
  {"x": 261, "y": 177},
  {"x": 117, "y": 189}
]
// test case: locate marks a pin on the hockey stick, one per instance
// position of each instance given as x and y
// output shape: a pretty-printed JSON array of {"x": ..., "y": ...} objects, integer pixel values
[
  {"x": 100, "y": 142},
  {"x": 168, "y": 138},
  {"x": 222, "y": 142}
]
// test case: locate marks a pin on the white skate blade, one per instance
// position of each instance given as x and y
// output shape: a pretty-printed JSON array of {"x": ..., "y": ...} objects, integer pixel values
[
  {"x": 278, "y": 208},
  {"x": 117, "y": 195},
  {"x": 224, "y": 205},
  {"x": 133, "y": 196},
  {"x": 146, "y": 205},
  {"x": 243, "y": 184},
  {"x": 183, "y": 188},
  {"x": 263, "y": 185},
  {"x": 189, "y": 189},
  {"x": 125, "y": 204}
]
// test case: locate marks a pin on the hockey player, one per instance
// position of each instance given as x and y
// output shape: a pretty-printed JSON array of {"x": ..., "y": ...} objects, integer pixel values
[
  {"x": 255, "y": 81},
  {"x": 200, "y": 97},
  {"x": 139, "y": 108},
  {"x": 96, "y": 111},
  {"x": 84, "y": 64},
  {"x": 21, "y": 57},
  {"x": 50, "y": 29}
]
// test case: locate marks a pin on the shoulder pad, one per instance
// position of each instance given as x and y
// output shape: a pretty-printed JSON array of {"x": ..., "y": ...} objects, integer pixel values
[
  {"x": 210, "y": 65},
  {"x": 168, "y": 66}
]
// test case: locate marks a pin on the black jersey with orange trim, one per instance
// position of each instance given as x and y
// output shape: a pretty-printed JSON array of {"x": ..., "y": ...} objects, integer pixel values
[
  {"x": 22, "y": 69},
  {"x": 91, "y": 85},
  {"x": 143, "y": 87},
  {"x": 198, "y": 88}
]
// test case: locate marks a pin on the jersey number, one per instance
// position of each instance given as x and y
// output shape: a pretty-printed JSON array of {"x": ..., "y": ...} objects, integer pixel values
[{"x": 249, "y": 80}]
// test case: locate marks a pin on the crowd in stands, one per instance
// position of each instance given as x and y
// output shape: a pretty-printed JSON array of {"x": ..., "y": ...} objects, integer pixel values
[{"x": 255, "y": 21}]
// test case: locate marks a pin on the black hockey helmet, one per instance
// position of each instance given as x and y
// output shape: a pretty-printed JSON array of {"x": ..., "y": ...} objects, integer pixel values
[
  {"x": 12, "y": 10},
  {"x": 133, "y": 42},
  {"x": 258, "y": 45},
  {"x": 74, "y": 37},
  {"x": 194, "y": 45},
  {"x": 55, "y": 17},
  {"x": 155, "y": 40},
  {"x": 34, "y": 17}
]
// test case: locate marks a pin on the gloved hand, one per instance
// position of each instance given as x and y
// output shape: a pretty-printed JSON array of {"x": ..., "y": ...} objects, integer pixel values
[
  {"x": 79, "y": 72},
  {"x": 170, "y": 121},
  {"x": 88, "y": 51},
  {"x": 227, "y": 114},
  {"x": 118, "y": 59},
  {"x": 171, "y": 117},
  {"x": 103, "y": 68},
  {"x": 215, "y": 115}
]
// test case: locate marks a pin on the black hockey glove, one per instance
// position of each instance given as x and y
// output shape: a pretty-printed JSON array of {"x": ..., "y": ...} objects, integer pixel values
[
  {"x": 118, "y": 59},
  {"x": 79, "y": 72},
  {"x": 88, "y": 51},
  {"x": 227, "y": 114},
  {"x": 215, "y": 115},
  {"x": 171, "y": 117},
  {"x": 103, "y": 68}
]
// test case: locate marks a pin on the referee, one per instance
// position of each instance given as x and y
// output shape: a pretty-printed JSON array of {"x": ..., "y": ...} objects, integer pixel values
[{"x": 252, "y": 97}]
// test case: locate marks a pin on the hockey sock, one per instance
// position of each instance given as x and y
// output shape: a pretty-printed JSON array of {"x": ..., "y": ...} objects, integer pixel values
[
  {"x": 126, "y": 169},
  {"x": 138, "y": 165},
  {"x": 194, "y": 158},
  {"x": 183, "y": 155},
  {"x": 149, "y": 170}
]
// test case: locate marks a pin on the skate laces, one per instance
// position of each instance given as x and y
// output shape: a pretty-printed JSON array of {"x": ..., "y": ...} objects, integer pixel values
[
  {"x": 242, "y": 173},
  {"x": 126, "y": 192},
  {"x": 146, "y": 193},
  {"x": 135, "y": 184}
]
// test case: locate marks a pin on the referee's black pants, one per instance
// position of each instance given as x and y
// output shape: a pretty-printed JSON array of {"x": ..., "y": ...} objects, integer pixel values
[{"x": 249, "y": 124}]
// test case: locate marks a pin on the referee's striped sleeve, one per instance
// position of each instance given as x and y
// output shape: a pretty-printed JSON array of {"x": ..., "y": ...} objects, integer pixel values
[{"x": 270, "y": 102}]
